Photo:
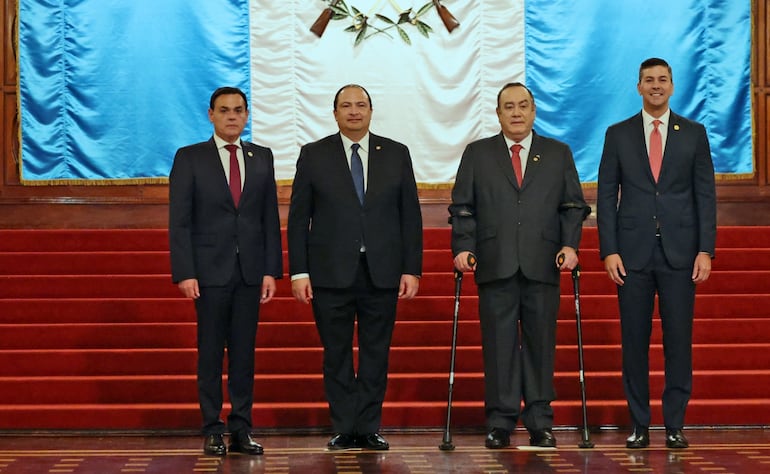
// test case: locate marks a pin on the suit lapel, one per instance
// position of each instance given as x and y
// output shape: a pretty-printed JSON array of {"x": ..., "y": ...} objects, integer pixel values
[
  {"x": 639, "y": 142},
  {"x": 533, "y": 160},
  {"x": 216, "y": 172},
  {"x": 340, "y": 167},
  {"x": 502, "y": 156},
  {"x": 377, "y": 161},
  {"x": 672, "y": 143}
]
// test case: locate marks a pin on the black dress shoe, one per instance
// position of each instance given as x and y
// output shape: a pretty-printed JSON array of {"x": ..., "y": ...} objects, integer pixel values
[
  {"x": 342, "y": 441},
  {"x": 640, "y": 438},
  {"x": 675, "y": 439},
  {"x": 373, "y": 441},
  {"x": 542, "y": 438},
  {"x": 241, "y": 442},
  {"x": 498, "y": 438},
  {"x": 214, "y": 445}
]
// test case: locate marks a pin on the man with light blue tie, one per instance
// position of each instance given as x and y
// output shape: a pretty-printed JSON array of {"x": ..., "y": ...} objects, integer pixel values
[{"x": 355, "y": 232}]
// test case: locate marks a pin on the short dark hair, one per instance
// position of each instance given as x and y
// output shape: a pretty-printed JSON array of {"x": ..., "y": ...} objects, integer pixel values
[
  {"x": 515, "y": 84},
  {"x": 337, "y": 95},
  {"x": 227, "y": 91},
  {"x": 652, "y": 62}
]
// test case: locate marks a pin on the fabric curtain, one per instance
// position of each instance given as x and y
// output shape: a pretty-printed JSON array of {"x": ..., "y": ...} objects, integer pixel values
[{"x": 109, "y": 89}]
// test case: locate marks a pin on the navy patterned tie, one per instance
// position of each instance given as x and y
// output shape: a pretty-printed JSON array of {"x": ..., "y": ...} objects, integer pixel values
[{"x": 357, "y": 170}]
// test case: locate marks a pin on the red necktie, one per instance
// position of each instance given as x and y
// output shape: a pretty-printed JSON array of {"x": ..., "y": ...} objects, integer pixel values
[
  {"x": 235, "y": 174},
  {"x": 656, "y": 150},
  {"x": 516, "y": 161}
]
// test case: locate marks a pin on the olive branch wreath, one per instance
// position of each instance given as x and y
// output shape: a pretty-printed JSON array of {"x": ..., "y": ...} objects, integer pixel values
[{"x": 365, "y": 27}]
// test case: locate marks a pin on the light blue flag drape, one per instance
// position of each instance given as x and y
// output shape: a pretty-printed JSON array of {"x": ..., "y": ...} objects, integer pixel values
[
  {"x": 583, "y": 66},
  {"x": 109, "y": 89}
]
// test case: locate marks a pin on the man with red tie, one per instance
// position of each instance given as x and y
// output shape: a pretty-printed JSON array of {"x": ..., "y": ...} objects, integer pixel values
[
  {"x": 517, "y": 206},
  {"x": 656, "y": 213},
  {"x": 225, "y": 242}
]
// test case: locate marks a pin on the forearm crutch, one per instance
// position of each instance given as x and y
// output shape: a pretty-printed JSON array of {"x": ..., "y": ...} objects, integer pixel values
[
  {"x": 446, "y": 443},
  {"x": 585, "y": 441}
]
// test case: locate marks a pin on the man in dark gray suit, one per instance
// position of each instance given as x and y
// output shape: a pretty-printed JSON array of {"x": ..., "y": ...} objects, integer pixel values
[
  {"x": 656, "y": 212},
  {"x": 225, "y": 242},
  {"x": 517, "y": 206},
  {"x": 355, "y": 232}
]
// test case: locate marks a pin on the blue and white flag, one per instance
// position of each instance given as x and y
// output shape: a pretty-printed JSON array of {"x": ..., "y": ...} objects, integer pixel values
[{"x": 110, "y": 89}]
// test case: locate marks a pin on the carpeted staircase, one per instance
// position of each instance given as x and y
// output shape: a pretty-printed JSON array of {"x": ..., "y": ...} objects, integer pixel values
[{"x": 93, "y": 335}]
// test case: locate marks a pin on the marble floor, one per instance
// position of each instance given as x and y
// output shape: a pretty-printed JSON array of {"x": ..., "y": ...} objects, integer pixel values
[{"x": 721, "y": 451}]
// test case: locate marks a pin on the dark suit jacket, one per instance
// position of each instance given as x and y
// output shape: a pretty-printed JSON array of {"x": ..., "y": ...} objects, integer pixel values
[
  {"x": 683, "y": 203},
  {"x": 508, "y": 228},
  {"x": 205, "y": 228},
  {"x": 326, "y": 220}
]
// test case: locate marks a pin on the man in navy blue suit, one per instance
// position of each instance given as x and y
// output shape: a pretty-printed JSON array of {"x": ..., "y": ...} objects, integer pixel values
[
  {"x": 225, "y": 242},
  {"x": 656, "y": 214},
  {"x": 355, "y": 248}
]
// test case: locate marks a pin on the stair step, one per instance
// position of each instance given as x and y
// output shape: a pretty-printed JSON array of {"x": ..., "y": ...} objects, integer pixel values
[
  {"x": 431, "y": 284},
  {"x": 103, "y": 362},
  {"x": 157, "y": 262},
  {"x": 421, "y": 308},
  {"x": 309, "y": 388},
  {"x": 305, "y": 334},
  {"x": 300, "y": 415}
]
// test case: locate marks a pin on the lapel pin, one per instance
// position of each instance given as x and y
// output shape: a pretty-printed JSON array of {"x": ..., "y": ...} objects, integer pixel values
[
  {"x": 250, "y": 154},
  {"x": 378, "y": 147},
  {"x": 676, "y": 126},
  {"x": 536, "y": 158}
]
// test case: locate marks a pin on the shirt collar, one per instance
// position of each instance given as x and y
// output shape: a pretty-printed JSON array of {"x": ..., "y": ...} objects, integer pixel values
[
  {"x": 526, "y": 143},
  {"x": 221, "y": 142},
  {"x": 648, "y": 119},
  {"x": 364, "y": 142}
]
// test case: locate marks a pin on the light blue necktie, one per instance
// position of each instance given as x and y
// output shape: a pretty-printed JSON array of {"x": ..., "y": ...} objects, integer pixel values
[{"x": 357, "y": 170}]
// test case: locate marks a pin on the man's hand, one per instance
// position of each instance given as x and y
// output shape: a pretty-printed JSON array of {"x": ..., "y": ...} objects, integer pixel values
[
  {"x": 302, "y": 290},
  {"x": 408, "y": 287},
  {"x": 613, "y": 264},
  {"x": 570, "y": 258},
  {"x": 268, "y": 289},
  {"x": 189, "y": 288},
  {"x": 701, "y": 269},
  {"x": 465, "y": 261}
]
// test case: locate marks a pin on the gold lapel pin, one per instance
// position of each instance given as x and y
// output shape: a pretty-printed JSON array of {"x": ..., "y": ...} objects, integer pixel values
[
  {"x": 378, "y": 147},
  {"x": 250, "y": 154},
  {"x": 676, "y": 126},
  {"x": 536, "y": 158}
]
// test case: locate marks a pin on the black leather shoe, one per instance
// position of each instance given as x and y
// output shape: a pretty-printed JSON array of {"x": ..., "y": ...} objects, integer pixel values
[
  {"x": 241, "y": 442},
  {"x": 675, "y": 439},
  {"x": 640, "y": 438},
  {"x": 214, "y": 445},
  {"x": 373, "y": 441},
  {"x": 498, "y": 438},
  {"x": 342, "y": 441},
  {"x": 542, "y": 438}
]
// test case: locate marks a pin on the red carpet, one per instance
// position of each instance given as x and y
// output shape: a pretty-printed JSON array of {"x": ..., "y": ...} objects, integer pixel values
[{"x": 93, "y": 335}]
